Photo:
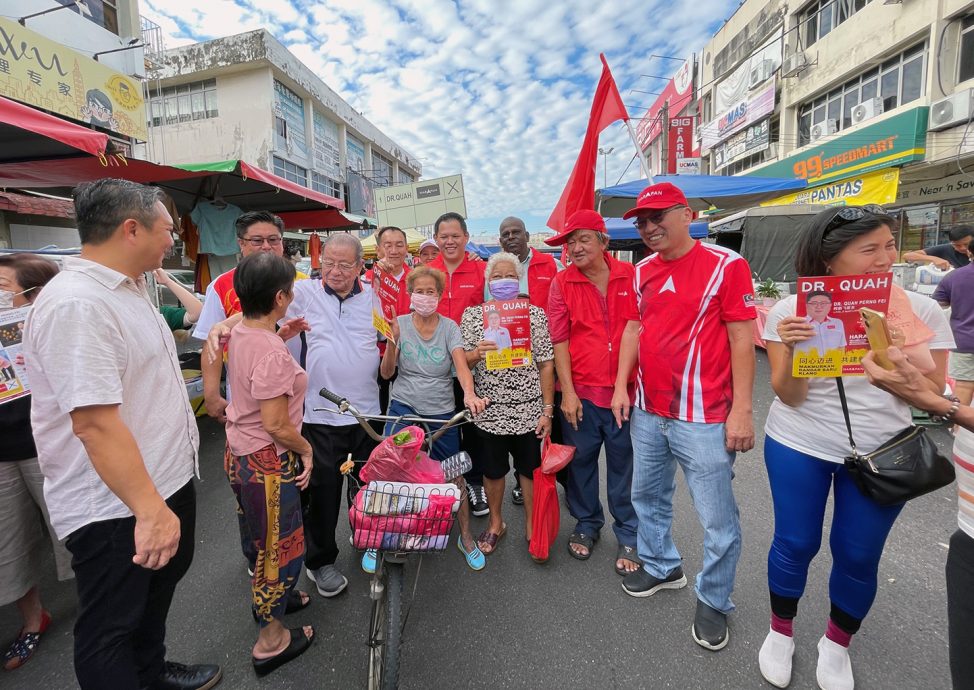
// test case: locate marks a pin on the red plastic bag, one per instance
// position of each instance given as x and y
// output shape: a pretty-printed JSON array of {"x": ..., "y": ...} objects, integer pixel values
[
  {"x": 555, "y": 456},
  {"x": 546, "y": 516},
  {"x": 398, "y": 459}
]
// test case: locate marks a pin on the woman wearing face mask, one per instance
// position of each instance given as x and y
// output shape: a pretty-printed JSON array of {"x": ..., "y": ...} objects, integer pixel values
[
  {"x": 523, "y": 396},
  {"x": 21, "y": 483},
  {"x": 807, "y": 442},
  {"x": 427, "y": 347}
]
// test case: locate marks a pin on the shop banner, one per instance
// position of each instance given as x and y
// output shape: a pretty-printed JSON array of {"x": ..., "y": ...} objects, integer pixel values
[
  {"x": 754, "y": 107},
  {"x": 385, "y": 297},
  {"x": 676, "y": 96},
  {"x": 751, "y": 140},
  {"x": 893, "y": 141},
  {"x": 680, "y": 141},
  {"x": 940, "y": 189},
  {"x": 872, "y": 188},
  {"x": 831, "y": 305},
  {"x": 13, "y": 374},
  {"x": 688, "y": 166},
  {"x": 508, "y": 325},
  {"x": 733, "y": 88},
  {"x": 37, "y": 71}
]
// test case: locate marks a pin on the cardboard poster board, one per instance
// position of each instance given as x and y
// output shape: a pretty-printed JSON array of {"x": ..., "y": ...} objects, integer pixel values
[
  {"x": 13, "y": 374},
  {"x": 508, "y": 324},
  {"x": 385, "y": 296}
]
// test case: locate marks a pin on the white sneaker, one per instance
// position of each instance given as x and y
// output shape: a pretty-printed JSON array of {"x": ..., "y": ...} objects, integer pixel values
[
  {"x": 775, "y": 659},
  {"x": 834, "y": 671}
]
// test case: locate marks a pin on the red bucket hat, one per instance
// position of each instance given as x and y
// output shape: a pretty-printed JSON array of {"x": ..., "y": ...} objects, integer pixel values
[
  {"x": 657, "y": 196},
  {"x": 580, "y": 220}
]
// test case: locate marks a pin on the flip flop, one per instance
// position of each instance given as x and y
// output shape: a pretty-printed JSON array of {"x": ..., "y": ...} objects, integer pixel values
[
  {"x": 626, "y": 553},
  {"x": 491, "y": 538},
  {"x": 299, "y": 645},
  {"x": 581, "y": 539},
  {"x": 475, "y": 558}
]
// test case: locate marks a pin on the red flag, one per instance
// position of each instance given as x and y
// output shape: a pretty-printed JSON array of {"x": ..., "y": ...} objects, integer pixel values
[{"x": 579, "y": 193}]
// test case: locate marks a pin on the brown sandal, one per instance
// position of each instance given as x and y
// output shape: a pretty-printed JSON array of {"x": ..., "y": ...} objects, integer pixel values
[{"x": 490, "y": 539}]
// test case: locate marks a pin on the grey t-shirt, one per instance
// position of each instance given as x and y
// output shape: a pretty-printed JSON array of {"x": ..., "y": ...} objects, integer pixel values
[{"x": 425, "y": 380}]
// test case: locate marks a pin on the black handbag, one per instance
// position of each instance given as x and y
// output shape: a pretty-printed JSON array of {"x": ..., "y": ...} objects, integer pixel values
[{"x": 906, "y": 466}]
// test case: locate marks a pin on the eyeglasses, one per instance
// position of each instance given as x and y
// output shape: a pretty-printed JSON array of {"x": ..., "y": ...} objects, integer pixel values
[
  {"x": 656, "y": 217},
  {"x": 848, "y": 214},
  {"x": 342, "y": 266},
  {"x": 273, "y": 240},
  {"x": 819, "y": 303}
]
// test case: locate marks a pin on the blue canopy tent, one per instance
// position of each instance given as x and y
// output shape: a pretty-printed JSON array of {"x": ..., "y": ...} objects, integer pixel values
[
  {"x": 622, "y": 230},
  {"x": 481, "y": 251},
  {"x": 702, "y": 191}
]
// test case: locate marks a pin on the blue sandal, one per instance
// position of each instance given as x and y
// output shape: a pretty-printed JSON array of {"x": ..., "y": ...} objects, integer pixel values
[
  {"x": 475, "y": 559},
  {"x": 368, "y": 560}
]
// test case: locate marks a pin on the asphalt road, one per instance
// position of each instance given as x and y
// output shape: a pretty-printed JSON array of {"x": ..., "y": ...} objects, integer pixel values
[{"x": 566, "y": 624}]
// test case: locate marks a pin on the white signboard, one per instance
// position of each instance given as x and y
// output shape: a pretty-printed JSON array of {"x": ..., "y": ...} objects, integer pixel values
[
  {"x": 940, "y": 189},
  {"x": 756, "y": 106},
  {"x": 420, "y": 203},
  {"x": 687, "y": 166}
]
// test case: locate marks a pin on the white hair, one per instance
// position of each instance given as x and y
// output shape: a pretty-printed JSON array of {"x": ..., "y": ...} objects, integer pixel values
[
  {"x": 339, "y": 239},
  {"x": 500, "y": 257}
]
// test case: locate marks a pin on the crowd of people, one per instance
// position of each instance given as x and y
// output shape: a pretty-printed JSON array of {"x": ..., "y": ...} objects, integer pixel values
[{"x": 651, "y": 366}]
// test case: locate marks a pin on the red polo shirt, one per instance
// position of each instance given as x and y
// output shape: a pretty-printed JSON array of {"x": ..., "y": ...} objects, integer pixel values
[
  {"x": 542, "y": 270},
  {"x": 464, "y": 287},
  {"x": 593, "y": 324}
]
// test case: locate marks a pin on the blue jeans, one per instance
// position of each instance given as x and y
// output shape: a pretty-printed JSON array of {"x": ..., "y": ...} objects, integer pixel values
[
  {"x": 659, "y": 445},
  {"x": 446, "y": 445},
  {"x": 582, "y": 490},
  {"x": 800, "y": 486}
]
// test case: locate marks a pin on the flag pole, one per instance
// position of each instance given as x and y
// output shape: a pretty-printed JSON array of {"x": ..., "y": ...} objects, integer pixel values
[{"x": 643, "y": 162}]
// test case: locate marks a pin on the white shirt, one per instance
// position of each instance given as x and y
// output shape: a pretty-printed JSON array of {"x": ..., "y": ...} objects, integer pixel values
[
  {"x": 829, "y": 335},
  {"x": 212, "y": 313},
  {"x": 94, "y": 338},
  {"x": 341, "y": 350},
  {"x": 816, "y": 427}
]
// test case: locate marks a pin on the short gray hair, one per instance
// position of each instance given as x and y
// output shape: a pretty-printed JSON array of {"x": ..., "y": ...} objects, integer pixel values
[
  {"x": 344, "y": 239},
  {"x": 101, "y": 206},
  {"x": 501, "y": 257}
]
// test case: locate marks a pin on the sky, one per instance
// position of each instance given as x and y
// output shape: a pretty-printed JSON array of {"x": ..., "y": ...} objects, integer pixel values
[{"x": 496, "y": 90}]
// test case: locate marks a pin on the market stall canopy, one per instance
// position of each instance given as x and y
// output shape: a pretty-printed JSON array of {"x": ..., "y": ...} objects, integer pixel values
[
  {"x": 36, "y": 206},
  {"x": 413, "y": 240},
  {"x": 234, "y": 181},
  {"x": 620, "y": 229},
  {"x": 30, "y": 134},
  {"x": 702, "y": 191},
  {"x": 321, "y": 220}
]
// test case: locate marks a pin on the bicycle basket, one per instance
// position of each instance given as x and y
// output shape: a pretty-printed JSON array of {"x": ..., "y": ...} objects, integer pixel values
[{"x": 396, "y": 516}]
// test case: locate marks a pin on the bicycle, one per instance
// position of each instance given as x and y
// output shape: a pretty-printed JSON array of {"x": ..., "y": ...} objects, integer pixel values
[{"x": 388, "y": 616}]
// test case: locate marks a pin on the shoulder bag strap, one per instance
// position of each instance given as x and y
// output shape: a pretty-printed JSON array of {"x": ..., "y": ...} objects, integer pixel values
[{"x": 845, "y": 413}]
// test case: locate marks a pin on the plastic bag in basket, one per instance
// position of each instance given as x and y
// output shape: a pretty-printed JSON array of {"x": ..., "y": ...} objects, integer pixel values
[{"x": 399, "y": 459}]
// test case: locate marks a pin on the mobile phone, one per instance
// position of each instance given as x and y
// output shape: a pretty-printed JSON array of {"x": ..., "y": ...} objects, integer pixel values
[{"x": 877, "y": 332}]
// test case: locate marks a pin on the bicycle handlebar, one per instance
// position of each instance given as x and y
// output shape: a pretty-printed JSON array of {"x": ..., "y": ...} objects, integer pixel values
[{"x": 333, "y": 397}]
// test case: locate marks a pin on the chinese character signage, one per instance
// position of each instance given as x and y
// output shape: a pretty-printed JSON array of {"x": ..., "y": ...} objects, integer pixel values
[
  {"x": 507, "y": 324},
  {"x": 751, "y": 140},
  {"x": 40, "y": 72}
]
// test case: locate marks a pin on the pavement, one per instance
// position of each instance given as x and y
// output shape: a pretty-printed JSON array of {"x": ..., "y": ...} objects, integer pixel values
[{"x": 565, "y": 624}]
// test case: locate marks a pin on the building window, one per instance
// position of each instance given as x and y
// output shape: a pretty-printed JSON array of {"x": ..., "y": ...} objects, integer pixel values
[
  {"x": 326, "y": 185},
  {"x": 327, "y": 156},
  {"x": 289, "y": 107},
  {"x": 290, "y": 171},
  {"x": 898, "y": 81},
  {"x": 819, "y": 18},
  {"x": 405, "y": 177},
  {"x": 183, "y": 103},
  {"x": 381, "y": 170},
  {"x": 104, "y": 13},
  {"x": 967, "y": 49},
  {"x": 355, "y": 153}
]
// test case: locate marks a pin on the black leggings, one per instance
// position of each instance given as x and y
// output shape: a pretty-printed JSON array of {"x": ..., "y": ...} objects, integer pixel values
[{"x": 960, "y": 608}]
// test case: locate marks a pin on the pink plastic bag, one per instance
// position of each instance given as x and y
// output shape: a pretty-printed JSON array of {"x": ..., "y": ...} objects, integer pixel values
[{"x": 398, "y": 459}]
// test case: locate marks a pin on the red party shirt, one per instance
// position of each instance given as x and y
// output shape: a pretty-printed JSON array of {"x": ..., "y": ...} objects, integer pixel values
[
  {"x": 464, "y": 287},
  {"x": 684, "y": 353}
]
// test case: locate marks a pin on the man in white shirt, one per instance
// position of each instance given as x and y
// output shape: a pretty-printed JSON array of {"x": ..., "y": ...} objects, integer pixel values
[
  {"x": 829, "y": 331},
  {"x": 116, "y": 439},
  {"x": 339, "y": 353}
]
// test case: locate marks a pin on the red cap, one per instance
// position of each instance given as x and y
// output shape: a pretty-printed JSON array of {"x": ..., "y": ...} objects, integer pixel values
[
  {"x": 580, "y": 220},
  {"x": 657, "y": 196}
]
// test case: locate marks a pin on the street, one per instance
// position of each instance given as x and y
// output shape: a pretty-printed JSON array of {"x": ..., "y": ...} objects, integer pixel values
[{"x": 565, "y": 624}]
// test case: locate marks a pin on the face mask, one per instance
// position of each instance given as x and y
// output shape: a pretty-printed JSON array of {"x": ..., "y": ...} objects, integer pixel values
[
  {"x": 505, "y": 288},
  {"x": 7, "y": 298},
  {"x": 424, "y": 305}
]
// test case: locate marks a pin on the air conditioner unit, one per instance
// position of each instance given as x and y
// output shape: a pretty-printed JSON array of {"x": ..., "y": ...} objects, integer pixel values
[
  {"x": 866, "y": 110},
  {"x": 953, "y": 110},
  {"x": 794, "y": 64},
  {"x": 823, "y": 129},
  {"x": 761, "y": 72}
]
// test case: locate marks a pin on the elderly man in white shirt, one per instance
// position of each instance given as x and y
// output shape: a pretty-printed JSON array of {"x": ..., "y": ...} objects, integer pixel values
[
  {"x": 116, "y": 439},
  {"x": 339, "y": 353}
]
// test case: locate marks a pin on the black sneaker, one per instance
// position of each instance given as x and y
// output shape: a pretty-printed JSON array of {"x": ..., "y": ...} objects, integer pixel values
[
  {"x": 478, "y": 500},
  {"x": 710, "y": 628},
  {"x": 517, "y": 496},
  {"x": 640, "y": 583},
  {"x": 182, "y": 677}
]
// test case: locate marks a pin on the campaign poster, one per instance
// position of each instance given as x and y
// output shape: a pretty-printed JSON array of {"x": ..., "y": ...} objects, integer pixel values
[
  {"x": 508, "y": 324},
  {"x": 13, "y": 374},
  {"x": 831, "y": 305},
  {"x": 385, "y": 297}
]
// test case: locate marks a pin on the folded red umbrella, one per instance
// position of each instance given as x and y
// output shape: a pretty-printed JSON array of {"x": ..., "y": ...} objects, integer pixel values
[{"x": 546, "y": 517}]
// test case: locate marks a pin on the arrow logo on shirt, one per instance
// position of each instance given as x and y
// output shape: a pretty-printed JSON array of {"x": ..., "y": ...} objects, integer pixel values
[{"x": 668, "y": 285}]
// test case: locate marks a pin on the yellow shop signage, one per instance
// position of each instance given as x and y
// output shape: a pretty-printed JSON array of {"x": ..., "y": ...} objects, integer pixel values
[{"x": 46, "y": 74}]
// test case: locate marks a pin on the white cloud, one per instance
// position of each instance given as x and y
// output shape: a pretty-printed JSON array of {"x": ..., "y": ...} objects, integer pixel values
[{"x": 497, "y": 90}]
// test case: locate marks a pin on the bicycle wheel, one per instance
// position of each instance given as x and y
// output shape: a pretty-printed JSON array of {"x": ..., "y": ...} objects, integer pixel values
[{"x": 385, "y": 633}]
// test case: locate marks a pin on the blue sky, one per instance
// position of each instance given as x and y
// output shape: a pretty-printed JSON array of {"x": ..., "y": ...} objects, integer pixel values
[{"x": 498, "y": 90}]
